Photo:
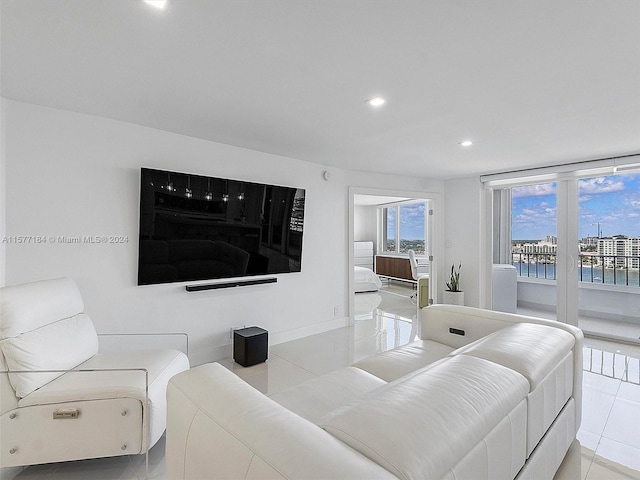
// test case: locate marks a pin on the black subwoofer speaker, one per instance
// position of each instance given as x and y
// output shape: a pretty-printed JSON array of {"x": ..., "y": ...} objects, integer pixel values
[{"x": 250, "y": 346}]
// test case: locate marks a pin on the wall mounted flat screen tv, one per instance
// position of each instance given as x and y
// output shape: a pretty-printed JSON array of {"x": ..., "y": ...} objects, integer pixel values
[{"x": 194, "y": 227}]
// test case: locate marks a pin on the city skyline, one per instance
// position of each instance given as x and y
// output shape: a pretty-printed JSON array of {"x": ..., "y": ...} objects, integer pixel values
[{"x": 613, "y": 202}]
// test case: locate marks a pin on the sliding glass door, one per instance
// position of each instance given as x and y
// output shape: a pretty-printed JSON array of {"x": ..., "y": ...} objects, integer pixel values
[
  {"x": 534, "y": 246},
  {"x": 609, "y": 260},
  {"x": 575, "y": 242}
]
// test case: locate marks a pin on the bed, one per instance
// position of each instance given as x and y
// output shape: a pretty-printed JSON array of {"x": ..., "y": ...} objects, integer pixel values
[{"x": 364, "y": 278}]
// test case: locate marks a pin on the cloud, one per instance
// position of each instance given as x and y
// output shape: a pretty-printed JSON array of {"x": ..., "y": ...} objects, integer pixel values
[
  {"x": 534, "y": 190},
  {"x": 412, "y": 214},
  {"x": 633, "y": 201},
  {"x": 532, "y": 216},
  {"x": 593, "y": 186}
]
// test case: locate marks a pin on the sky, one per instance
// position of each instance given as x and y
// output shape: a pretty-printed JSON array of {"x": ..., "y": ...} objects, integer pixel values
[
  {"x": 612, "y": 201},
  {"x": 411, "y": 222}
]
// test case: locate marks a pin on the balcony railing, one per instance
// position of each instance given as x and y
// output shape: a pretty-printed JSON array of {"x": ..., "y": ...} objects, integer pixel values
[{"x": 604, "y": 269}]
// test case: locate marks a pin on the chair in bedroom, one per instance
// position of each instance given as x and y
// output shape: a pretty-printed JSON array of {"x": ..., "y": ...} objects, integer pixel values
[
  {"x": 420, "y": 273},
  {"x": 59, "y": 399}
]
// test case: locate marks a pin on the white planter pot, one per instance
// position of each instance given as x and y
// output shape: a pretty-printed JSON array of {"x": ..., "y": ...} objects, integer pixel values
[{"x": 453, "y": 298}]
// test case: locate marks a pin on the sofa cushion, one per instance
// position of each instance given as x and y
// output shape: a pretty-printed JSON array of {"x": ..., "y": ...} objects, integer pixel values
[
  {"x": 55, "y": 347},
  {"x": 530, "y": 349},
  {"x": 314, "y": 399},
  {"x": 543, "y": 355},
  {"x": 426, "y": 423},
  {"x": 396, "y": 363},
  {"x": 57, "y": 299},
  {"x": 220, "y": 427},
  {"x": 48, "y": 334},
  {"x": 8, "y": 399}
]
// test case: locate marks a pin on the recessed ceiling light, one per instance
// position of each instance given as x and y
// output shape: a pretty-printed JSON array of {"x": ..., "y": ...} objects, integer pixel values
[
  {"x": 466, "y": 143},
  {"x": 376, "y": 102},
  {"x": 161, "y": 4}
]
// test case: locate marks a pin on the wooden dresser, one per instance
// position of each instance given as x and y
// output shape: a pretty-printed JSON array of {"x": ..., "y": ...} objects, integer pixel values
[{"x": 393, "y": 267}]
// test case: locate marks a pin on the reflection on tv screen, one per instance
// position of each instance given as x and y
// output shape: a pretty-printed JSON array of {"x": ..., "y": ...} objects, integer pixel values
[{"x": 194, "y": 227}]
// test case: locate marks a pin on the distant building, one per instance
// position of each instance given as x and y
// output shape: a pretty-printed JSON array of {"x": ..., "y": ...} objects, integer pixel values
[
  {"x": 620, "y": 251},
  {"x": 547, "y": 245},
  {"x": 590, "y": 241}
]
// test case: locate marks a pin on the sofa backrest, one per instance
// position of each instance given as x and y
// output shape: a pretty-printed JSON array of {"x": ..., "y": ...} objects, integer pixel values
[
  {"x": 43, "y": 329},
  {"x": 445, "y": 323},
  {"x": 230, "y": 430},
  {"x": 458, "y": 326},
  {"x": 424, "y": 424}
]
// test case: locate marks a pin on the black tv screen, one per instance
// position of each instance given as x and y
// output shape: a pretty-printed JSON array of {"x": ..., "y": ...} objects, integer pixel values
[{"x": 194, "y": 227}]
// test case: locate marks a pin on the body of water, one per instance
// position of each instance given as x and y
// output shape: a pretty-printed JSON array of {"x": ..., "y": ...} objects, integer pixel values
[{"x": 587, "y": 274}]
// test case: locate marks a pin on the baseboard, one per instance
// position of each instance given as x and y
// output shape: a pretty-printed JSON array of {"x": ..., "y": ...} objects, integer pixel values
[
  {"x": 614, "y": 317},
  {"x": 536, "y": 306}
]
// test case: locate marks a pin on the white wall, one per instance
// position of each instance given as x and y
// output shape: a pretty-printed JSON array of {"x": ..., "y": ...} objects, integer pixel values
[
  {"x": 365, "y": 227},
  {"x": 462, "y": 236},
  {"x": 74, "y": 175}
]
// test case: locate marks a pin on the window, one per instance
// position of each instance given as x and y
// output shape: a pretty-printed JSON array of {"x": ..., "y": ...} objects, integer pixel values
[
  {"x": 596, "y": 206},
  {"x": 608, "y": 229},
  {"x": 389, "y": 216},
  {"x": 404, "y": 227},
  {"x": 533, "y": 226}
]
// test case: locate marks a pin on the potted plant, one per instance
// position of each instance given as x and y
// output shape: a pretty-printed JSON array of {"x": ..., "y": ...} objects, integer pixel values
[{"x": 453, "y": 295}]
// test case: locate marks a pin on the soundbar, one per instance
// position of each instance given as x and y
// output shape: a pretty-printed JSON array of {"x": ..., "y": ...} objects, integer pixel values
[{"x": 237, "y": 283}]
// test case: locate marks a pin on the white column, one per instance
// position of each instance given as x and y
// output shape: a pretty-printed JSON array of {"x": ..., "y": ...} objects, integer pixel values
[{"x": 567, "y": 259}]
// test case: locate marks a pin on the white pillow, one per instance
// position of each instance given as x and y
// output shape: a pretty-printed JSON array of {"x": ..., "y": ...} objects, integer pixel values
[{"x": 62, "y": 345}]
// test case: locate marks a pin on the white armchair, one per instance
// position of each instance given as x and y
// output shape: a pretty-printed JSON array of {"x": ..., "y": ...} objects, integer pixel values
[
  {"x": 59, "y": 399},
  {"x": 420, "y": 273}
]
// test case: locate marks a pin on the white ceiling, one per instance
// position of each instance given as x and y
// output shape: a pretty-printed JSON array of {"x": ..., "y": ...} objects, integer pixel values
[{"x": 530, "y": 82}]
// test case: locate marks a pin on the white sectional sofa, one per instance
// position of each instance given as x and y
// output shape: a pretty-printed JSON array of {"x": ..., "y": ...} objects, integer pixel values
[{"x": 481, "y": 395}]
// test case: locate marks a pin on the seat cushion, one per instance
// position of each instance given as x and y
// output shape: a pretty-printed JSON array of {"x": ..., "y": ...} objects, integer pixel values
[
  {"x": 314, "y": 399},
  {"x": 426, "y": 423},
  {"x": 396, "y": 363}
]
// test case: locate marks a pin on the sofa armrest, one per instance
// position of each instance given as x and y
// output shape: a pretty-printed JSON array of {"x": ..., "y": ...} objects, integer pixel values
[{"x": 218, "y": 426}]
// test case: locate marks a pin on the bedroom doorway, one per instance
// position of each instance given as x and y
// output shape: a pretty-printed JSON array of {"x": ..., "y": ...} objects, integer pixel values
[{"x": 371, "y": 222}]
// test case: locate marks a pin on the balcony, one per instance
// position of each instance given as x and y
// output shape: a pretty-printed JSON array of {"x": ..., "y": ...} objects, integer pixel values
[
  {"x": 608, "y": 291},
  {"x": 593, "y": 268}
]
